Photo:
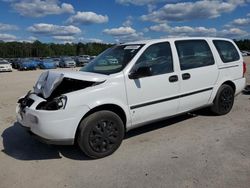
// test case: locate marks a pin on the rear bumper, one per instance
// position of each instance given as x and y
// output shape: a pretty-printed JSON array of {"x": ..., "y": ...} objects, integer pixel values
[{"x": 240, "y": 85}]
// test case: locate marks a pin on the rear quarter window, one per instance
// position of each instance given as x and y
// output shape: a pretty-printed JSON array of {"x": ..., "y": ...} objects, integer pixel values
[{"x": 227, "y": 51}]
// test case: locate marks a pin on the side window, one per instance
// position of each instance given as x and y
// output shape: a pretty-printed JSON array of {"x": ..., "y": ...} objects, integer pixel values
[
  {"x": 158, "y": 57},
  {"x": 194, "y": 54},
  {"x": 227, "y": 51}
]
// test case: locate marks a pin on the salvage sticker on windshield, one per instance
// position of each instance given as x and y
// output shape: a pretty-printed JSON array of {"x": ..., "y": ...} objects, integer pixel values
[{"x": 132, "y": 47}]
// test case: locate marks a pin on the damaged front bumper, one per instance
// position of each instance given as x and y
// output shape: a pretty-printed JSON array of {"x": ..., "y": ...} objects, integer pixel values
[{"x": 53, "y": 126}]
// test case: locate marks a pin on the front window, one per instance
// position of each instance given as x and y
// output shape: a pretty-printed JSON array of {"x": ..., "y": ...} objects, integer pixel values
[
  {"x": 158, "y": 57},
  {"x": 113, "y": 60}
]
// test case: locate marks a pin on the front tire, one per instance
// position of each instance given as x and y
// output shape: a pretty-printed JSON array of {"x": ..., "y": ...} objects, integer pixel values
[
  {"x": 223, "y": 101},
  {"x": 100, "y": 134}
]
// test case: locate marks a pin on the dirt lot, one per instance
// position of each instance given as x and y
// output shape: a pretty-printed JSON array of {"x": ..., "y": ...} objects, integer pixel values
[{"x": 194, "y": 150}]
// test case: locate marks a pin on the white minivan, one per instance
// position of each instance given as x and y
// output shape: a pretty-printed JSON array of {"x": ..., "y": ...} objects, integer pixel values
[{"x": 150, "y": 80}]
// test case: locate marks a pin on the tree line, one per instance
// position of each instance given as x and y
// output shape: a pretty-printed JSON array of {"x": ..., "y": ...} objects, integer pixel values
[
  {"x": 39, "y": 49},
  {"x": 243, "y": 44}
]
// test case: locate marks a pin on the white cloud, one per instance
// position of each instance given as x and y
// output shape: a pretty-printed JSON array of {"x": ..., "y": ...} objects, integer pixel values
[
  {"x": 191, "y": 10},
  {"x": 151, "y": 7},
  {"x": 129, "y": 38},
  {"x": 143, "y": 2},
  {"x": 8, "y": 1},
  {"x": 185, "y": 31},
  {"x": 54, "y": 30},
  {"x": 128, "y": 22},
  {"x": 7, "y": 27},
  {"x": 7, "y": 37},
  {"x": 119, "y": 31},
  {"x": 41, "y": 8},
  {"x": 241, "y": 22},
  {"x": 32, "y": 38},
  {"x": 124, "y": 34},
  {"x": 233, "y": 32},
  {"x": 64, "y": 38},
  {"x": 86, "y": 40},
  {"x": 87, "y": 18}
]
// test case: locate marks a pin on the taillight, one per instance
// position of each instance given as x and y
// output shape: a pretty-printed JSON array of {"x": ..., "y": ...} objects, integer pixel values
[{"x": 244, "y": 68}]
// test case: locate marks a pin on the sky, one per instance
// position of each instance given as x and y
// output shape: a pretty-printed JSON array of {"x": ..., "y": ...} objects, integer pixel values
[{"x": 116, "y": 21}]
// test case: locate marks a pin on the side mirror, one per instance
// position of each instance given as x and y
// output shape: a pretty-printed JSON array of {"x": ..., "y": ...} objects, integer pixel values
[{"x": 140, "y": 72}]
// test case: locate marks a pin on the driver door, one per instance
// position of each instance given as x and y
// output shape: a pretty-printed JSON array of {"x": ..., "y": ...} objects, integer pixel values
[{"x": 153, "y": 96}]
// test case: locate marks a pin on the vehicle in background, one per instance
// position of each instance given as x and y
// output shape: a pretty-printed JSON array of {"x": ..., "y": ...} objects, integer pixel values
[
  {"x": 245, "y": 53},
  {"x": 82, "y": 60},
  {"x": 36, "y": 61},
  {"x": 11, "y": 60},
  {"x": 27, "y": 64},
  {"x": 92, "y": 57},
  {"x": 5, "y": 66},
  {"x": 47, "y": 64},
  {"x": 67, "y": 62},
  {"x": 56, "y": 61},
  {"x": 15, "y": 63}
]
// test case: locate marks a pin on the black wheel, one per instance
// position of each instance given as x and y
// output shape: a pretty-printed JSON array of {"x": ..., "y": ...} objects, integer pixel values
[
  {"x": 223, "y": 101},
  {"x": 100, "y": 134}
]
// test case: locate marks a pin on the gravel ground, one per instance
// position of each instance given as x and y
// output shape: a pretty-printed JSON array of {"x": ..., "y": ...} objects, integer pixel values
[{"x": 193, "y": 150}]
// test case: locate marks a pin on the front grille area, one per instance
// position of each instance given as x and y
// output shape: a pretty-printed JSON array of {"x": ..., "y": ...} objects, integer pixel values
[{"x": 25, "y": 102}]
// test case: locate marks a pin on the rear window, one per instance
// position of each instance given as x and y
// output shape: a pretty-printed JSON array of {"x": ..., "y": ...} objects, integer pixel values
[{"x": 227, "y": 51}]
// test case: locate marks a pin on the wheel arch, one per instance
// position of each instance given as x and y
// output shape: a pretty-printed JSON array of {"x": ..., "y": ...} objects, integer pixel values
[
  {"x": 217, "y": 87},
  {"x": 111, "y": 107},
  {"x": 230, "y": 83}
]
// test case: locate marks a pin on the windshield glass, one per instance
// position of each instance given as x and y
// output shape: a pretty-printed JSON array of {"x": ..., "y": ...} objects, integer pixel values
[{"x": 112, "y": 60}]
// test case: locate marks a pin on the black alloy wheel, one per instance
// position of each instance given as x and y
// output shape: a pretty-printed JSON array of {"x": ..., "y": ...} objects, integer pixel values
[
  {"x": 224, "y": 100},
  {"x": 100, "y": 134},
  {"x": 103, "y": 136}
]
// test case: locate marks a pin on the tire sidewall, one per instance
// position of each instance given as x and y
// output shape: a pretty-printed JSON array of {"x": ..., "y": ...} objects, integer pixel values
[
  {"x": 86, "y": 126},
  {"x": 216, "y": 107}
]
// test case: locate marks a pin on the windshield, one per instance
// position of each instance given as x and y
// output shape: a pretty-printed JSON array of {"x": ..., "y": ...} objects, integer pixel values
[{"x": 112, "y": 60}]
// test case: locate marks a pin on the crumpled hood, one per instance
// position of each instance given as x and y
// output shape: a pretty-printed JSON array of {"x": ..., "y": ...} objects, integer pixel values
[{"x": 50, "y": 80}]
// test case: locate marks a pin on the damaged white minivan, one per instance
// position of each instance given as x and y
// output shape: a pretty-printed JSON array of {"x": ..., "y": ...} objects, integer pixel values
[{"x": 129, "y": 85}]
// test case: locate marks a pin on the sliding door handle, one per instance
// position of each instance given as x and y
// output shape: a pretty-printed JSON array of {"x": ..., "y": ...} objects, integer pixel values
[
  {"x": 186, "y": 76},
  {"x": 173, "y": 78}
]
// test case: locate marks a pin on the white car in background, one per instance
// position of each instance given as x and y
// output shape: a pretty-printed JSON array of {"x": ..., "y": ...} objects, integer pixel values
[
  {"x": 5, "y": 66},
  {"x": 149, "y": 81},
  {"x": 67, "y": 62}
]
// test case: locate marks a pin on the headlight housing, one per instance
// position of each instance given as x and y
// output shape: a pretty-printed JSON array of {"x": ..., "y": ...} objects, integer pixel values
[{"x": 54, "y": 104}]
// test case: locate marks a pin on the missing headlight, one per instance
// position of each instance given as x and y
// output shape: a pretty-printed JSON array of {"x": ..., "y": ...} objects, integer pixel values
[
  {"x": 69, "y": 85},
  {"x": 54, "y": 104}
]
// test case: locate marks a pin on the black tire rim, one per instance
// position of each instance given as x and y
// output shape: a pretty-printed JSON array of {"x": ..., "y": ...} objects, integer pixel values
[
  {"x": 103, "y": 136},
  {"x": 226, "y": 100}
]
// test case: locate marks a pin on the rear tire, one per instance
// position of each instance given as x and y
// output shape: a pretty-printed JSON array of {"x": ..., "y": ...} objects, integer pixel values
[
  {"x": 223, "y": 101},
  {"x": 100, "y": 134}
]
